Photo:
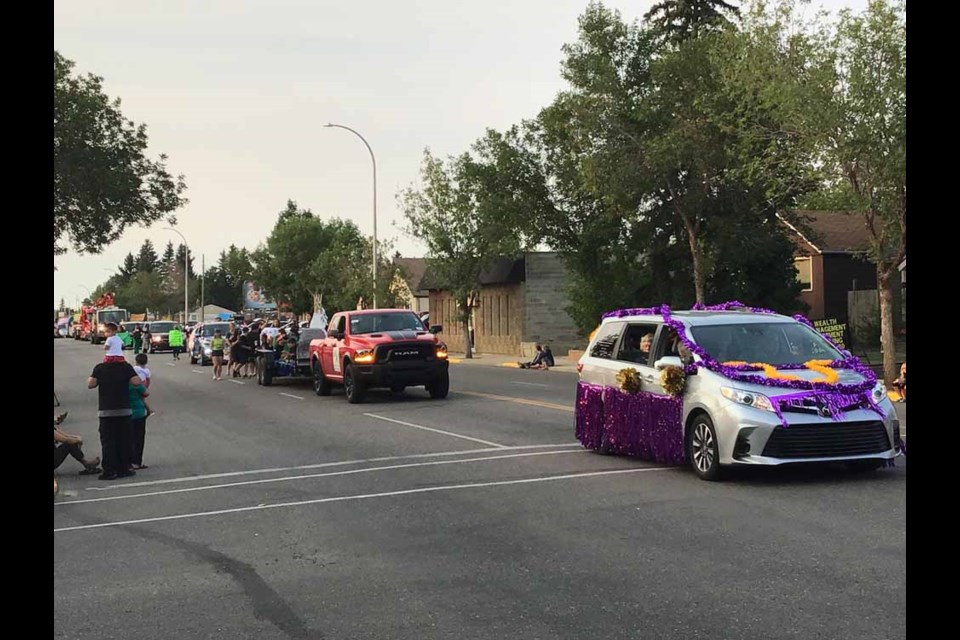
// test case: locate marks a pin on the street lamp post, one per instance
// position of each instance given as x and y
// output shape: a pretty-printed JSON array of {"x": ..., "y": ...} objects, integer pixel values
[
  {"x": 186, "y": 275},
  {"x": 374, "y": 160}
]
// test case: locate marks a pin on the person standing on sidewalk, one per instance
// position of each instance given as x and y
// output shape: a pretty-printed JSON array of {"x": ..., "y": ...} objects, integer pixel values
[
  {"x": 176, "y": 341},
  {"x": 138, "y": 423},
  {"x": 112, "y": 379}
]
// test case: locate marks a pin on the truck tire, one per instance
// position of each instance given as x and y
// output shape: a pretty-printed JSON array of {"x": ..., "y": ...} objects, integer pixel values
[
  {"x": 440, "y": 387},
  {"x": 321, "y": 386},
  {"x": 352, "y": 386}
]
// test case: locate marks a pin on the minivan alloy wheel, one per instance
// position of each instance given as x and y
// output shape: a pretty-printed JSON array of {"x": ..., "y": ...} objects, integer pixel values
[{"x": 702, "y": 446}]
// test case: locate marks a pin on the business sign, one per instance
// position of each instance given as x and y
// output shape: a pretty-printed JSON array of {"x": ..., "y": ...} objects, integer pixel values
[
  {"x": 834, "y": 328},
  {"x": 254, "y": 298}
]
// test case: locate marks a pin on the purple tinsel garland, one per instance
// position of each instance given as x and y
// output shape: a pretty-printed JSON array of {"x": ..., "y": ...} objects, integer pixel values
[
  {"x": 643, "y": 425},
  {"x": 740, "y": 372}
]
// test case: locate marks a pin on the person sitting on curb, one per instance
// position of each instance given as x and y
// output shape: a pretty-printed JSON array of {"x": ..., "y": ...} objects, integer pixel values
[
  {"x": 66, "y": 444},
  {"x": 900, "y": 384},
  {"x": 542, "y": 360}
]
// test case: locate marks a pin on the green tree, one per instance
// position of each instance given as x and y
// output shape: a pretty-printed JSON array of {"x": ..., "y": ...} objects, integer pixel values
[
  {"x": 103, "y": 180},
  {"x": 306, "y": 258},
  {"x": 462, "y": 225},
  {"x": 129, "y": 268},
  {"x": 147, "y": 261},
  {"x": 864, "y": 137},
  {"x": 224, "y": 282},
  {"x": 143, "y": 293},
  {"x": 679, "y": 20}
]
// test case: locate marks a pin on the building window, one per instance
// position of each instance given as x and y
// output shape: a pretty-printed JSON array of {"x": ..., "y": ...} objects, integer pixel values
[
  {"x": 804, "y": 267},
  {"x": 506, "y": 315}
]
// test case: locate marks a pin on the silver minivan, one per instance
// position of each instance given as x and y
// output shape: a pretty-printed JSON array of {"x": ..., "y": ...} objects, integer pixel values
[{"x": 733, "y": 421}]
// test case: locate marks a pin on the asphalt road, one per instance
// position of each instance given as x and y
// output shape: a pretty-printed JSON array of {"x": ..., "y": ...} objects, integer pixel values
[{"x": 268, "y": 512}]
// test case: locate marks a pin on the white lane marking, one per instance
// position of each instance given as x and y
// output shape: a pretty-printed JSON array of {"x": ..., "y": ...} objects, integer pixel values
[
  {"x": 236, "y": 381},
  {"x": 323, "y": 465},
  {"x": 196, "y": 370},
  {"x": 170, "y": 364},
  {"x": 317, "y": 475},
  {"x": 290, "y": 395},
  {"x": 532, "y": 384},
  {"x": 446, "y": 433},
  {"x": 300, "y": 503}
]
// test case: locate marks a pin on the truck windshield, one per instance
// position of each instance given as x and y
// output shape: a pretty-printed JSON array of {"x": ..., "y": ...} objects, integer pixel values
[
  {"x": 161, "y": 327},
  {"x": 377, "y": 322},
  {"x": 114, "y": 315}
]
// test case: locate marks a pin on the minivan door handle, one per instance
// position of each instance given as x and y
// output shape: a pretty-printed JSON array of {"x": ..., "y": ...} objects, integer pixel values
[{"x": 648, "y": 378}]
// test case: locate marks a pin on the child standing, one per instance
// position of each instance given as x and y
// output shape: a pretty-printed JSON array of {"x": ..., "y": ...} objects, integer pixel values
[
  {"x": 138, "y": 422},
  {"x": 144, "y": 373}
]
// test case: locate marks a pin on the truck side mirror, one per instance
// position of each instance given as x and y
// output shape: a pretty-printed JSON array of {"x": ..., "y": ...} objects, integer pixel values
[{"x": 437, "y": 328}]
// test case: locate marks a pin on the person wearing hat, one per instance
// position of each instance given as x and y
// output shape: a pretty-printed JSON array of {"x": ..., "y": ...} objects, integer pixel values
[{"x": 112, "y": 379}]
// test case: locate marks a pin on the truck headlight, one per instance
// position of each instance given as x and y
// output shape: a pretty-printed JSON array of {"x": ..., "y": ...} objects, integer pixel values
[
  {"x": 366, "y": 356},
  {"x": 748, "y": 398},
  {"x": 442, "y": 352}
]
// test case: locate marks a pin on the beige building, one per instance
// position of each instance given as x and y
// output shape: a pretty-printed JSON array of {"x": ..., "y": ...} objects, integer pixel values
[
  {"x": 407, "y": 279},
  {"x": 520, "y": 302}
]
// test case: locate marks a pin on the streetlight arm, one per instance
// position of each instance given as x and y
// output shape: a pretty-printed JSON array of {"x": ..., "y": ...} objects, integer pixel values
[
  {"x": 373, "y": 158},
  {"x": 366, "y": 144}
]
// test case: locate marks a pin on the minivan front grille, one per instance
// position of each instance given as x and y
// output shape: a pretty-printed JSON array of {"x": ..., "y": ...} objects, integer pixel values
[{"x": 827, "y": 440}]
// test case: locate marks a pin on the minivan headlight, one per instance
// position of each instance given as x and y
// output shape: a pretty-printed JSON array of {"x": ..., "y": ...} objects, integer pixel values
[
  {"x": 748, "y": 398},
  {"x": 879, "y": 391}
]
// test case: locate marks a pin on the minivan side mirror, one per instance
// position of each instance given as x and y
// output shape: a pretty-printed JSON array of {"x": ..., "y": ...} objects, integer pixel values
[
  {"x": 846, "y": 354},
  {"x": 437, "y": 328},
  {"x": 668, "y": 361}
]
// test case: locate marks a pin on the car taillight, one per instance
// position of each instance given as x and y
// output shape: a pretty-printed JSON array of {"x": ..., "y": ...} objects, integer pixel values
[{"x": 579, "y": 368}]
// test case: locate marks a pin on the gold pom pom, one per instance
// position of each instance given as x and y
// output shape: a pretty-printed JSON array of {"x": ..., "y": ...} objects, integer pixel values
[
  {"x": 628, "y": 380},
  {"x": 673, "y": 380}
]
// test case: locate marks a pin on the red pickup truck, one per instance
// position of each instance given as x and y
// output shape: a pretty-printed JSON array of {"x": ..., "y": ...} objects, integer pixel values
[{"x": 379, "y": 348}]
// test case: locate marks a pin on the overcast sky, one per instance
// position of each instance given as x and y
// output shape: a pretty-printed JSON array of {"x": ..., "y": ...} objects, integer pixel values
[{"x": 235, "y": 92}]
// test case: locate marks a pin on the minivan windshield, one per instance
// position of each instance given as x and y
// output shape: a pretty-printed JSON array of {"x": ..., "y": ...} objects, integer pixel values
[
  {"x": 776, "y": 343},
  {"x": 375, "y": 322}
]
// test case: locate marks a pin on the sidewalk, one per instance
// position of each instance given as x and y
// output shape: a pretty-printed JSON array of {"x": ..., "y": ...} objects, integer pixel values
[{"x": 564, "y": 364}]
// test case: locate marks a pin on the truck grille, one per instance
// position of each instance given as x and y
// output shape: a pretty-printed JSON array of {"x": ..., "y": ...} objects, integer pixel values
[
  {"x": 404, "y": 352},
  {"x": 827, "y": 440}
]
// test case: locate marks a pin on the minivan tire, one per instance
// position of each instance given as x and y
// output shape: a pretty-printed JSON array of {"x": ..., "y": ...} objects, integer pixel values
[{"x": 703, "y": 450}]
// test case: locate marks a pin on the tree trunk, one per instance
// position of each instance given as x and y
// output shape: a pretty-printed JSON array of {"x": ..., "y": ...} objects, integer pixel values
[
  {"x": 699, "y": 276},
  {"x": 466, "y": 337},
  {"x": 887, "y": 337}
]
